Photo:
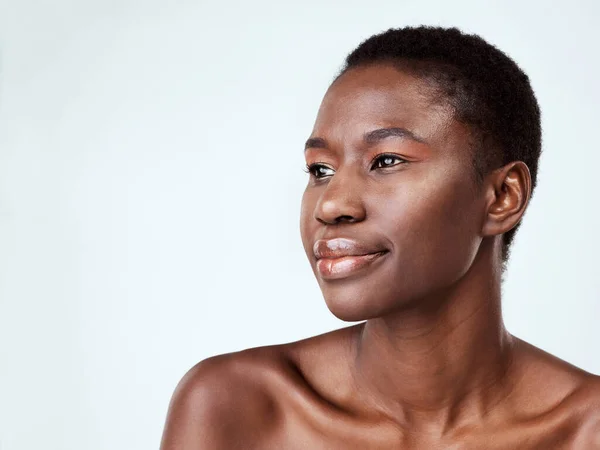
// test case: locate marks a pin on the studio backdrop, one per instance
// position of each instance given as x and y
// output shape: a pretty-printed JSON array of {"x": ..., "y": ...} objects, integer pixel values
[{"x": 151, "y": 172}]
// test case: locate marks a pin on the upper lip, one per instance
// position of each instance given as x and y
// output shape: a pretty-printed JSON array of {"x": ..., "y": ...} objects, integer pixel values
[{"x": 339, "y": 247}]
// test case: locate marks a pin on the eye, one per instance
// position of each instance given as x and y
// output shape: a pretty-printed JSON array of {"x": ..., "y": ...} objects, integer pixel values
[
  {"x": 387, "y": 160},
  {"x": 382, "y": 161},
  {"x": 318, "y": 170}
]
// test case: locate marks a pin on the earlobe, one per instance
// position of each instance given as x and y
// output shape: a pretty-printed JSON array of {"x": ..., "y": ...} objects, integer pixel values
[{"x": 509, "y": 192}]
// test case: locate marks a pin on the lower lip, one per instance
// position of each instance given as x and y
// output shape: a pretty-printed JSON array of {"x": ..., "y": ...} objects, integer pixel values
[{"x": 335, "y": 268}]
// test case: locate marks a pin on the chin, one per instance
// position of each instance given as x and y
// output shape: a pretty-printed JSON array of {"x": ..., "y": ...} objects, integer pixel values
[
  {"x": 353, "y": 308},
  {"x": 357, "y": 300},
  {"x": 347, "y": 313}
]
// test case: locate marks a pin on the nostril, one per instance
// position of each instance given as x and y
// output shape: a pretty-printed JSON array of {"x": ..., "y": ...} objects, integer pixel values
[{"x": 345, "y": 219}]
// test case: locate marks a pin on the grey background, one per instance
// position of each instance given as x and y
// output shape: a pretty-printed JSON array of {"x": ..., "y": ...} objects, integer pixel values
[{"x": 150, "y": 182}]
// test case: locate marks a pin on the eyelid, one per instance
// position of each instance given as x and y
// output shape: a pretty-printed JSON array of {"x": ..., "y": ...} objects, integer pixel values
[
  {"x": 309, "y": 168},
  {"x": 389, "y": 155}
]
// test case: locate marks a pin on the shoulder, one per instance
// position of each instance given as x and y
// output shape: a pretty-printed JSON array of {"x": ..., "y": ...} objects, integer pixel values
[
  {"x": 240, "y": 400},
  {"x": 567, "y": 395},
  {"x": 585, "y": 407},
  {"x": 225, "y": 402}
]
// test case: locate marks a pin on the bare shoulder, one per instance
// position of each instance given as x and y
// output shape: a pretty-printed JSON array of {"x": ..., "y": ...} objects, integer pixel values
[
  {"x": 241, "y": 400},
  {"x": 225, "y": 402},
  {"x": 586, "y": 409},
  {"x": 567, "y": 395}
]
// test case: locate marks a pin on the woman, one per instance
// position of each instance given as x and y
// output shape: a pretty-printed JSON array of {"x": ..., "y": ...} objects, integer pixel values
[{"x": 422, "y": 161}]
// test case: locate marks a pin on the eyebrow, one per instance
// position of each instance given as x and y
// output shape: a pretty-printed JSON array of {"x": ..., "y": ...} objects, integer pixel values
[{"x": 371, "y": 137}]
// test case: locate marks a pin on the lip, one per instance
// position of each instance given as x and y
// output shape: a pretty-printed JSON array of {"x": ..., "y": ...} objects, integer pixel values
[
  {"x": 341, "y": 257},
  {"x": 336, "y": 268}
]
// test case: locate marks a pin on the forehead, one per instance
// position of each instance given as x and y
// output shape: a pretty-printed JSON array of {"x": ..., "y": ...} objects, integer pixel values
[{"x": 379, "y": 96}]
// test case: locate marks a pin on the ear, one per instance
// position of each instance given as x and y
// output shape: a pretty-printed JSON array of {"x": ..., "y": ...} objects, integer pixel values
[{"x": 509, "y": 190}]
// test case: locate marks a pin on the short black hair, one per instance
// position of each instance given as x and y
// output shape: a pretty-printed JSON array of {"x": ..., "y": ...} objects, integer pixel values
[{"x": 486, "y": 88}]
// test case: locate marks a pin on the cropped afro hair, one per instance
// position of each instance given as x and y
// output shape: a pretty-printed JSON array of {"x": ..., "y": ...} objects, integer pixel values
[{"x": 486, "y": 89}]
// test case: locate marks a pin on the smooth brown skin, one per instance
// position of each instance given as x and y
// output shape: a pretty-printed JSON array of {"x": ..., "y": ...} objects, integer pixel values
[{"x": 433, "y": 366}]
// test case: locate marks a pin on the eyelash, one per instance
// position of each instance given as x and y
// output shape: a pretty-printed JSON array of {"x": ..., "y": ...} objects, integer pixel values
[{"x": 310, "y": 168}]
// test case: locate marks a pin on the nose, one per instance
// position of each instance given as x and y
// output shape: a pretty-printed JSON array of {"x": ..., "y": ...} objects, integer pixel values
[{"x": 341, "y": 200}]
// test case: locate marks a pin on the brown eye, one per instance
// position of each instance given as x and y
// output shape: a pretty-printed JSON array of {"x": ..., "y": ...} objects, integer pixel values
[
  {"x": 318, "y": 170},
  {"x": 386, "y": 160}
]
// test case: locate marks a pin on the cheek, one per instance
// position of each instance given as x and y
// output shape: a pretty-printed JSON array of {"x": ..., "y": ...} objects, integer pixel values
[{"x": 433, "y": 225}]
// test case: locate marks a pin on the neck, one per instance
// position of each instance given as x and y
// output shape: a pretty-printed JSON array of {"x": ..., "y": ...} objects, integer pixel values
[{"x": 437, "y": 367}]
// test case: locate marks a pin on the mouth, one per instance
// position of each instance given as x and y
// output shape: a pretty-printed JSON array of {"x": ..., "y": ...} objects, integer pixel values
[{"x": 345, "y": 266}]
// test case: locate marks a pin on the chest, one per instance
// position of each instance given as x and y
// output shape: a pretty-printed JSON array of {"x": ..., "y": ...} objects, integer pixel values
[{"x": 299, "y": 436}]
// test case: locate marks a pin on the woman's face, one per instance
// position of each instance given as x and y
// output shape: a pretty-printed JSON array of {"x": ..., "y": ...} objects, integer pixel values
[{"x": 392, "y": 177}]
